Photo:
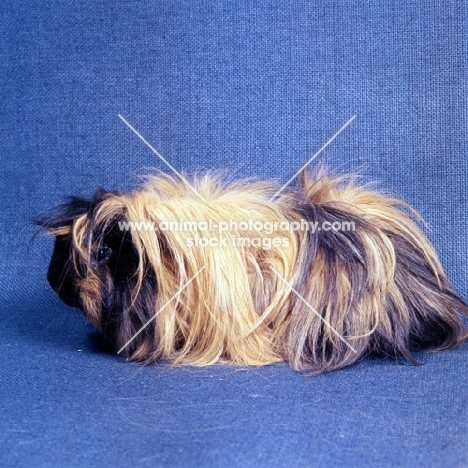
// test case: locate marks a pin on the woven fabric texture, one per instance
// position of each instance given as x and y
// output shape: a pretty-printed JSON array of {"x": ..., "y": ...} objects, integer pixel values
[{"x": 253, "y": 89}]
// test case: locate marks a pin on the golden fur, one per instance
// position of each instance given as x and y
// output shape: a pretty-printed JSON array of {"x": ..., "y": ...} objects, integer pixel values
[{"x": 319, "y": 301}]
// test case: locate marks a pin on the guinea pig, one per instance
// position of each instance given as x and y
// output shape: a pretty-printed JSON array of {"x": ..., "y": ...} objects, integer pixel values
[{"x": 208, "y": 272}]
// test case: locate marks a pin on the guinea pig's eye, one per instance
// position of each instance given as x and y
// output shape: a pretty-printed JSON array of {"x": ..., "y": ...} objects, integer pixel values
[{"x": 103, "y": 254}]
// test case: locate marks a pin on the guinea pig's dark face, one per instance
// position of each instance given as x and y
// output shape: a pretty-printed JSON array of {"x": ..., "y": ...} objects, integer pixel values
[
  {"x": 100, "y": 275},
  {"x": 113, "y": 260},
  {"x": 61, "y": 274}
]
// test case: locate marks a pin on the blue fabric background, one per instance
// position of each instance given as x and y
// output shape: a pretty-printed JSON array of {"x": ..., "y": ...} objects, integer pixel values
[{"x": 253, "y": 88}]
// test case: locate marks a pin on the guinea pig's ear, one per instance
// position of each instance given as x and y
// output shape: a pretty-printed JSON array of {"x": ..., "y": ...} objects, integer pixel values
[
  {"x": 60, "y": 219},
  {"x": 101, "y": 194}
]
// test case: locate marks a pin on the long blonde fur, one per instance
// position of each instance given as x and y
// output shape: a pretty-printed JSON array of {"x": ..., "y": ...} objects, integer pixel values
[{"x": 319, "y": 301}]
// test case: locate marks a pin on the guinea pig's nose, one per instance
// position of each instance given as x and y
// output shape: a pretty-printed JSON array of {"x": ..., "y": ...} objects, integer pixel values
[{"x": 60, "y": 277}]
